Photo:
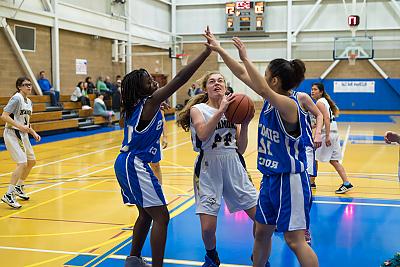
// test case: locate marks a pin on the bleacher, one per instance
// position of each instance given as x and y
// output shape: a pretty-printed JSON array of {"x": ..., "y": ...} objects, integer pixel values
[{"x": 46, "y": 118}]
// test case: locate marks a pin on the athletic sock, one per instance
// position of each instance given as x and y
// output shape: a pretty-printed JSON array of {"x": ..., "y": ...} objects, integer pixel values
[
  {"x": 346, "y": 183},
  {"x": 11, "y": 189}
]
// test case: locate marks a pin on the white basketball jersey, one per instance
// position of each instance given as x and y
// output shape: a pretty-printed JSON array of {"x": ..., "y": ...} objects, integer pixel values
[
  {"x": 22, "y": 112},
  {"x": 224, "y": 136},
  {"x": 332, "y": 118}
]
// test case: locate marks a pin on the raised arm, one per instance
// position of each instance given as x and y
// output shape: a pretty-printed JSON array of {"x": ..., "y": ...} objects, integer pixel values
[
  {"x": 237, "y": 69},
  {"x": 286, "y": 107},
  {"x": 180, "y": 79},
  {"x": 311, "y": 107},
  {"x": 205, "y": 129},
  {"x": 242, "y": 133}
]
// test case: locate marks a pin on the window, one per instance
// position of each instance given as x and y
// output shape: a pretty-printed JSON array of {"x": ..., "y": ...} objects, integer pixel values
[{"x": 26, "y": 37}]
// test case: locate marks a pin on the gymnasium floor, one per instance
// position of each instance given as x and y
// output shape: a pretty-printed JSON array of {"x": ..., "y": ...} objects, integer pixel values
[{"x": 76, "y": 217}]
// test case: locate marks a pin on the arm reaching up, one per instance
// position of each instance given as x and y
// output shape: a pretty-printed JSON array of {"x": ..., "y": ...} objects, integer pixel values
[{"x": 286, "y": 107}]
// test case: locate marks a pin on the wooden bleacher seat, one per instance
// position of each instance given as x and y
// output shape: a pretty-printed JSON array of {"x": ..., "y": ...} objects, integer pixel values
[
  {"x": 42, "y": 116},
  {"x": 85, "y": 113},
  {"x": 102, "y": 120}
]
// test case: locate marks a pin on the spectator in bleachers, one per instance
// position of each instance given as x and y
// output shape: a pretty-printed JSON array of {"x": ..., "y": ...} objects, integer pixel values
[
  {"x": 80, "y": 94},
  {"x": 47, "y": 89},
  {"x": 229, "y": 88},
  {"x": 102, "y": 87},
  {"x": 100, "y": 109},
  {"x": 109, "y": 85},
  {"x": 116, "y": 97},
  {"x": 91, "y": 88}
]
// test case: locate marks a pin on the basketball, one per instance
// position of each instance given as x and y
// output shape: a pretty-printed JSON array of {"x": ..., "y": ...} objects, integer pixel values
[{"x": 239, "y": 109}]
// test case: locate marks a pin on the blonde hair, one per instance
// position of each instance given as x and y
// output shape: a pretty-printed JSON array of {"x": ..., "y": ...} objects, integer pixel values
[{"x": 183, "y": 119}]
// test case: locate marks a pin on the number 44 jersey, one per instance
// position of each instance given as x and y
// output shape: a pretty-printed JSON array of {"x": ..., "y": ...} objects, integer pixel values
[{"x": 224, "y": 136}]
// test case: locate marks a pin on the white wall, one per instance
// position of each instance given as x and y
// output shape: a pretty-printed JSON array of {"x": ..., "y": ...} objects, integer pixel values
[{"x": 315, "y": 40}]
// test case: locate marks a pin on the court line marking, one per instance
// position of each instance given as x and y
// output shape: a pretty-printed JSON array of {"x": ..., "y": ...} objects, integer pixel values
[
  {"x": 175, "y": 212},
  {"x": 118, "y": 257},
  {"x": 86, "y": 154},
  {"x": 84, "y": 175},
  {"x": 346, "y": 139},
  {"x": 356, "y": 203}
]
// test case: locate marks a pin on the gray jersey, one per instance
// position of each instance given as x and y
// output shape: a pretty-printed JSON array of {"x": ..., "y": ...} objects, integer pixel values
[
  {"x": 20, "y": 109},
  {"x": 224, "y": 136}
]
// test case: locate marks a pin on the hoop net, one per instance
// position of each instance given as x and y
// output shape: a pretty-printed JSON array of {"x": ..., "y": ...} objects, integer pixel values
[
  {"x": 184, "y": 58},
  {"x": 352, "y": 57}
]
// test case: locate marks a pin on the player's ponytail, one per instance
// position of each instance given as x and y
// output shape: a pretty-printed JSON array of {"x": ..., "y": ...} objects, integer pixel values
[
  {"x": 290, "y": 73},
  {"x": 299, "y": 71},
  {"x": 184, "y": 116},
  {"x": 332, "y": 105}
]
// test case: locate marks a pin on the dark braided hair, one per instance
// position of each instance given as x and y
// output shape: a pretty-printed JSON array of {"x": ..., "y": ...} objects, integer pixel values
[
  {"x": 132, "y": 90},
  {"x": 290, "y": 73}
]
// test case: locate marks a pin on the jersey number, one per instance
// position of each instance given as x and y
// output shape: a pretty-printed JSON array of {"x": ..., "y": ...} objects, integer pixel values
[
  {"x": 218, "y": 139},
  {"x": 265, "y": 149}
]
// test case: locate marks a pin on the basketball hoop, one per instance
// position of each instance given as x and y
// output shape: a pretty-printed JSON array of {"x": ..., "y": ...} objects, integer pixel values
[
  {"x": 352, "y": 59},
  {"x": 184, "y": 58}
]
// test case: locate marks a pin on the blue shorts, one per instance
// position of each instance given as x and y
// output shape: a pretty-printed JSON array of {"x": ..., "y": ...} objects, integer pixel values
[
  {"x": 138, "y": 183},
  {"x": 285, "y": 201}
]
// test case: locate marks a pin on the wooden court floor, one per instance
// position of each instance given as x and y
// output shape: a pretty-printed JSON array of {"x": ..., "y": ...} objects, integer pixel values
[{"x": 76, "y": 207}]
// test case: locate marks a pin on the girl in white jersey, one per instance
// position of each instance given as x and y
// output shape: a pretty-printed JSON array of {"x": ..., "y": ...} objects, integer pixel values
[
  {"x": 220, "y": 168},
  {"x": 330, "y": 149},
  {"x": 16, "y": 115}
]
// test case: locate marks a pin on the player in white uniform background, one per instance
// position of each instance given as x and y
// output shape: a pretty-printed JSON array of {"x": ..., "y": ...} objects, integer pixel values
[
  {"x": 330, "y": 149},
  {"x": 17, "y": 114},
  {"x": 219, "y": 168}
]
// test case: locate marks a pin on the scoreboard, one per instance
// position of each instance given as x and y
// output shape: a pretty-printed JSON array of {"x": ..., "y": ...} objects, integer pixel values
[{"x": 245, "y": 16}]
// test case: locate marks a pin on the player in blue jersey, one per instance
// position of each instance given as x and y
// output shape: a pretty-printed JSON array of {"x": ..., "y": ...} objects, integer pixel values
[
  {"x": 220, "y": 169},
  {"x": 141, "y": 118},
  {"x": 285, "y": 195}
]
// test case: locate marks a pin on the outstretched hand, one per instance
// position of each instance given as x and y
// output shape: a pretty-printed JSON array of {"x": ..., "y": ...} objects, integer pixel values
[
  {"x": 226, "y": 100},
  {"x": 240, "y": 47},
  {"x": 212, "y": 42}
]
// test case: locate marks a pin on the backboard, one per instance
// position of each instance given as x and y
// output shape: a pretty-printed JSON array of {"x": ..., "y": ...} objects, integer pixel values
[{"x": 357, "y": 47}]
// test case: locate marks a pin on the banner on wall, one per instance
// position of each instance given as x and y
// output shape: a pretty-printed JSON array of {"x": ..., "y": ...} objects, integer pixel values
[
  {"x": 81, "y": 66},
  {"x": 354, "y": 86}
]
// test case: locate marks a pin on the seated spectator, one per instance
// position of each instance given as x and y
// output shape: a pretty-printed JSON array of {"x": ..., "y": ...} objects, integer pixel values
[
  {"x": 80, "y": 94},
  {"x": 47, "y": 89},
  {"x": 109, "y": 84},
  {"x": 100, "y": 109},
  {"x": 192, "y": 91},
  {"x": 102, "y": 87},
  {"x": 116, "y": 97},
  {"x": 91, "y": 88}
]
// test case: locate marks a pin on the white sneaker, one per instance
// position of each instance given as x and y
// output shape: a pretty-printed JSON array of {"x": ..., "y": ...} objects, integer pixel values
[
  {"x": 11, "y": 201},
  {"x": 133, "y": 261},
  {"x": 19, "y": 192}
]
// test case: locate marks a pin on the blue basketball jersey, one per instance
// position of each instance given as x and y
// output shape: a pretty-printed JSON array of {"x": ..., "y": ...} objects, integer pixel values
[
  {"x": 278, "y": 152},
  {"x": 305, "y": 122},
  {"x": 146, "y": 143}
]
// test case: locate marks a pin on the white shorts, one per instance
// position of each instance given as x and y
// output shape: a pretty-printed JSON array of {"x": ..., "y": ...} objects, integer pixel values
[
  {"x": 220, "y": 175},
  {"x": 332, "y": 152},
  {"x": 311, "y": 165},
  {"x": 18, "y": 144}
]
